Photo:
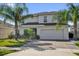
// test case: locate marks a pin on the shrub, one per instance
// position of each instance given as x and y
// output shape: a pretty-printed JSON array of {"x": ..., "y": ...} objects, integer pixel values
[
  {"x": 11, "y": 36},
  {"x": 28, "y": 33},
  {"x": 77, "y": 54},
  {"x": 38, "y": 37},
  {"x": 70, "y": 35},
  {"x": 12, "y": 43},
  {"x": 77, "y": 44},
  {"x": 6, "y": 51}
]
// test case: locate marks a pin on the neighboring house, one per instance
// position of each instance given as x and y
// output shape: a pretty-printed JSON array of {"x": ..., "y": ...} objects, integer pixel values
[
  {"x": 5, "y": 29},
  {"x": 44, "y": 24}
]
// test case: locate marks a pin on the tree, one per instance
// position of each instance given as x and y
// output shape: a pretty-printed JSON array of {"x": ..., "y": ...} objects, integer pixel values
[
  {"x": 16, "y": 13},
  {"x": 72, "y": 14},
  {"x": 63, "y": 17}
]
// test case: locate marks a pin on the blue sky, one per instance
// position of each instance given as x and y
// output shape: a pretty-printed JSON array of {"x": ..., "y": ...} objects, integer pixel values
[{"x": 43, "y": 7}]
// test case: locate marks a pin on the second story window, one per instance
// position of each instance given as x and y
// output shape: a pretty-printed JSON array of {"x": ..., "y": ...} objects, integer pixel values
[{"x": 45, "y": 19}]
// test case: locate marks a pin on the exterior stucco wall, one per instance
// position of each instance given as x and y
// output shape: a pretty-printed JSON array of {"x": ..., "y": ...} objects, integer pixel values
[
  {"x": 32, "y": 19},
  {"x": 5, "y": 31},
  {"x": 21, "y": 28},
  {"x": 40, "y": 19}
]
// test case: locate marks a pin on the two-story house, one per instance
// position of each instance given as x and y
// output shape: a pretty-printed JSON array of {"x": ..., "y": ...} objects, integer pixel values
[{"x": 45, "y": 25}]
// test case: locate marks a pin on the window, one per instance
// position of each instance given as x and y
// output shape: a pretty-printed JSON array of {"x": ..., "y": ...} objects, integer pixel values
[{"x": 45, "y": 19}]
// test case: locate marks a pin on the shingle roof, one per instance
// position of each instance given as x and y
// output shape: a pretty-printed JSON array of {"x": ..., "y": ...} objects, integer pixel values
[{"x": 45, "y": 13}]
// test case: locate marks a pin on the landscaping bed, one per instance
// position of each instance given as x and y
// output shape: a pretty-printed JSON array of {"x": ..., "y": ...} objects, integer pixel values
[
  {"x": 77, "y": 44},
  {"x": 6, "y": 51},
  {"x": 77, "y": 54},
  {"x": 11, "y": 43}
]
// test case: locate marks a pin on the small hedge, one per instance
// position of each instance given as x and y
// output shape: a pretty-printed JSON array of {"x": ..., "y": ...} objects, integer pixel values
[
  {"x": 29, "y": 33},
  {"x": 11, "y": 43},
  {"x": 6, "y": 51},
  {"x": 77, "y": 44},
  {"x": 77, "y": 54}
]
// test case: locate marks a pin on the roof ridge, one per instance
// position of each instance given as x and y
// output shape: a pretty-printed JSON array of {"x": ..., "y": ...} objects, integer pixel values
[{"x": 46, "y": 12}]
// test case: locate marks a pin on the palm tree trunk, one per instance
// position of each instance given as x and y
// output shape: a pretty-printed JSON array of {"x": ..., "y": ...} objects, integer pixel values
[
  {"x": 75, "y": 30},
  {"x": 16, "y": 30}
]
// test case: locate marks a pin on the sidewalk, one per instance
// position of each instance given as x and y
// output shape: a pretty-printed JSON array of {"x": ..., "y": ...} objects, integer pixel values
[{"x": 57, "y": 52}]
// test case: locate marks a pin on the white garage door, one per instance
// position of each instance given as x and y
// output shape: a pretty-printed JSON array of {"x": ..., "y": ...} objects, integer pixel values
[{"x": 51, "y": 34}]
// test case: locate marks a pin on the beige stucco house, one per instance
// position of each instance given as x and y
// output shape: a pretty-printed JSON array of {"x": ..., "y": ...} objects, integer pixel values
[
  {"x": 5, "y": 29},
  {"x": 45, "y": 25}
]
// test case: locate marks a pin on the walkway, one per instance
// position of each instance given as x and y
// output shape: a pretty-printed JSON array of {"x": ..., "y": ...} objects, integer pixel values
[{"x": 47, "y": 48}]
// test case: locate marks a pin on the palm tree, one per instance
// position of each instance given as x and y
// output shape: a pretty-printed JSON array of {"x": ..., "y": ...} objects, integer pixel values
[
  {"x": 62, "y": 17},
  {"x": 16, "y": 13},
  {"x": 72, "y": 14}
]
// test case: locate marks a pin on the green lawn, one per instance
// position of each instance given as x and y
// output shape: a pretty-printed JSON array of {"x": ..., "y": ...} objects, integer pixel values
[
  {"x": 11, "y": 43},
  {"x": 77, "y": 43},
  {"x": 6, "y": 51}
]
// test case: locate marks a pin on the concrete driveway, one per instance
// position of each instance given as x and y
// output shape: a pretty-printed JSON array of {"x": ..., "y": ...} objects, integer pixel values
[{"x": 47, "y": 48}]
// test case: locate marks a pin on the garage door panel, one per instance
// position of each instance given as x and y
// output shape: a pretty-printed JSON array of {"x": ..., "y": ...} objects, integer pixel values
[
  {"x": 51, "y": 37},
  {"x": 51, "y": 34}
]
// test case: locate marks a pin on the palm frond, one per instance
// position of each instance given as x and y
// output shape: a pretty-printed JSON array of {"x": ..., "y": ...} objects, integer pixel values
[
  {"x": 63, "y": 18},
  {"x": 21, "y": 8},
  {"x": 6, "y": 15}
]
